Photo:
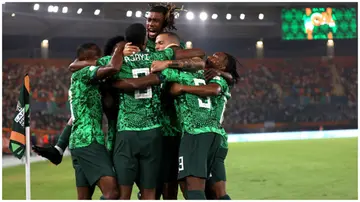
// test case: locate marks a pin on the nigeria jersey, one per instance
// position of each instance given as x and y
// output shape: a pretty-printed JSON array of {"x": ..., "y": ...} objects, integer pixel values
[
  {"x": 140, "y": 110},
  {"x": 194, "y": 112},
  {"x": 86, "y": 109},
  {"x": 219, "y": 105}
]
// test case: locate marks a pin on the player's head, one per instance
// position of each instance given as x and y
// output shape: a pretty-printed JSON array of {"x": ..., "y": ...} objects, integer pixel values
[
  {"x": 88, "y": 51},
  {"x": 136, "y": 34},
  {"x": 161, "y": 18},
  {"x": 224, "y": 62},
  {"x": 111, "y": 44},
  {"x": 166, "y": 40}
]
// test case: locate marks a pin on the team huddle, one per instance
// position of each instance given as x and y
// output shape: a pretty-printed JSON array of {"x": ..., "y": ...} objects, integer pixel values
[{"x": 164, "y": 105}]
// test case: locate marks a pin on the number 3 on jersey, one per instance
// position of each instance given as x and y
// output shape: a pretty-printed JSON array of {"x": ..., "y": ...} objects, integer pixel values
[
  {"x": 204, "y": 102},
  {"x": 146, "y": 93}
]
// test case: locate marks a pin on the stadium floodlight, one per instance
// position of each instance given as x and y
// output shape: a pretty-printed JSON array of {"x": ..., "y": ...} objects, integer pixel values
[
  {"x": 79, "y": 11},
  {"x": 190, "y": 15},
  {"x": 330, "y": 42},
  {"x": 188, "y": 45},
  {"x": 177, "y": 15},
  {"x": 36, "y": 7},
  {"x": 138, "y": 14},
  {"x": 55, "y": 9},
  {"x": 203, "y": 16},
  {"x": 261, "y": 16},
  {"x": 97, "y": 12},
  {"x": 259, "y": 44},
  {"x": 242, "y": 16},
  {"x": 50, "y": 8},
  {"x": 65, "y": 9},
  {"x": 214, "y": 16},
  {"x": 148, "y": 13},
  {"x": 13, "y": 15},
  {"x": 228, "y": 16},
  {"x": 128, "y": 13}
]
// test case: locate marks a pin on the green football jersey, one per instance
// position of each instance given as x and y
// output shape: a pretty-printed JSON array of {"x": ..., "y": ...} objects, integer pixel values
[
  {"x": 86, "y": 109},
  {"x": 140, "y": 110},
  {"x": 194, "y": 112},
  {"x": 219, "y": 104}
]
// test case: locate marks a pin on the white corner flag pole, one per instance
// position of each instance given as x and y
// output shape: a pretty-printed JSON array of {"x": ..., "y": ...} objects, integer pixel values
[{"x": 27, "y": 163}]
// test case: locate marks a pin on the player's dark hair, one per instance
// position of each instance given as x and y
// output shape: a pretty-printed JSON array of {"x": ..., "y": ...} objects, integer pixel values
[
  {"x": 168, "y": 10},
  {"x": 86, "y": 46},
  {"x": 111, "y": 43},
  {"x": 136, "y": 34},
  {"x": 231, "y": 67},
  {"x": 172, "y": 34}
]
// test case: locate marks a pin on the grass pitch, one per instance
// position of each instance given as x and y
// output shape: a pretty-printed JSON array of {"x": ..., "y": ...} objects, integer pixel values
[{"x": 301, "y": 169}]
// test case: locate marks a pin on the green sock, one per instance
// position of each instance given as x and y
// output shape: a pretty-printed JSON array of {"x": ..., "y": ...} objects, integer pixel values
[
  {"x": 226, "y": 197},
  {"x": 195, "y": 195},
  {"x": 63, "y": 140}
]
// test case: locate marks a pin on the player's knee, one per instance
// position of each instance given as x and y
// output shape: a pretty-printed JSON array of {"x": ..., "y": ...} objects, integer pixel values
[{"x": 112, "y": 195}]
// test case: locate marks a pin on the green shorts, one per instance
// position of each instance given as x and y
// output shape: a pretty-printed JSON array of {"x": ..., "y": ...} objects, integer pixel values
[
  {"x": 138, "y": 153},
  {"x": 218, "y": 172},
  {"x": 170, "y": 159},
  {"x": 197, "y": 154},
  {"x": 90, "y": 164}
]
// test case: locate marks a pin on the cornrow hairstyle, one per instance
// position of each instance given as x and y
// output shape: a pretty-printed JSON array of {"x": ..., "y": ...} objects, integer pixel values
[
  {"x": 231, "y": 67},
  {"x": 168, "y": 10},
  {"x": 111, "y": 43}
]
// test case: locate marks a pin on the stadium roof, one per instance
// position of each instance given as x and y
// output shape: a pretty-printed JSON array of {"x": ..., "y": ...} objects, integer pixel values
[{"x": 22, "y": 19}]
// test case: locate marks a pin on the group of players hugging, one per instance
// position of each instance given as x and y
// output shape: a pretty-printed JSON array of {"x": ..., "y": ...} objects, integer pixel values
[{"x": 164, "y": 105}]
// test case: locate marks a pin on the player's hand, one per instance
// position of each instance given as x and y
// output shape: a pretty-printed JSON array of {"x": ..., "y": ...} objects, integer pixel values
[
  {"x": 130, "y": 49},
  {"x": 158, "y": 66},
  {"x": 176, "y": 89},
  {"x": 211, "y": 73}
]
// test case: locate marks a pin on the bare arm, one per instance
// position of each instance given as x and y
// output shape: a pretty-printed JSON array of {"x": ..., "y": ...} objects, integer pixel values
[
  {"x": 203, "y": 91},
  {"x": 193, "y": 64},
  {"x": 188, "y": 53},
  {"x": 115, "y": 64},
  {"x": 77, "y": 65},
  {"x": 137, "y": 83}
]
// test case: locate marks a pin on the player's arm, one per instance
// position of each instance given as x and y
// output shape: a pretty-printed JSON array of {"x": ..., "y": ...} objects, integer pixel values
[
  {"x": 211, "y": 89},
  {"x": 77, "y": 65},
  {"x": 191, "y": 64},
  {"x": 132, "y": 84},
  {"x": 211, "y": 73},
  {"x": 114, "y": 65},
  {"x": 188, "y": 53}
]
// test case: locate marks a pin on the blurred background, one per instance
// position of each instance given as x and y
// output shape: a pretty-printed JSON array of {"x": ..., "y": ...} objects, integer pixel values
[{"x": 299, "y": 60}]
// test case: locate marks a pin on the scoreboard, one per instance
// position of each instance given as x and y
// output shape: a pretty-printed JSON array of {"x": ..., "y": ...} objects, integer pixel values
[{"x": 318, "y": 23}]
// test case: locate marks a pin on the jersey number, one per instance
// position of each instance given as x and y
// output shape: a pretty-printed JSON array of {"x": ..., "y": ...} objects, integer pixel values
[
  {"x": 146, "y": 93},
  {"x": 71, "y": 107},
  {"x": 203, "y": 102},
  {"x": 181, "y": 163},
  {"x": 223, "y": 111}
]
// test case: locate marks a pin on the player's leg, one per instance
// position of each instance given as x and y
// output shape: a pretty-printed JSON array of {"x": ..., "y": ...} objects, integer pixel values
[
  {"x": 126, "y": 164},
  {"x": 84, "y": 190},
  {"x": 171, "y": 146},
  {"x": 150, "y": 142},
  {"x": 194, "y": 159},
  {"x": 217, "y": 181},
  {"x": 96, "y": 164},
  {"x": 55, "y": 153}
]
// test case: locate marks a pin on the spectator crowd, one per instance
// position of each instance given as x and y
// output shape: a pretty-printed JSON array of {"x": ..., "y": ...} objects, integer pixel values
[{"x": 275, "y": 90}]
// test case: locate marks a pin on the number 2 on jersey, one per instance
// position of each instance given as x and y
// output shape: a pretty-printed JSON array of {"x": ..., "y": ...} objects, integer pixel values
[
  {"x": 146, "y": 93},
  {"x": 203, "y": 102}
]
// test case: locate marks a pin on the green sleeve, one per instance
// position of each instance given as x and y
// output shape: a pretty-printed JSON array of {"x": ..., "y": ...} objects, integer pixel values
[
  {"x": 182, "y": 45},
  {"x": 167, "y": 54},
  {"x": 104, "y": 61},
  {"x": 86, "y": 74},
  {"x": 221, "y": 82},
  {"x": 171, "y": 75}
]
